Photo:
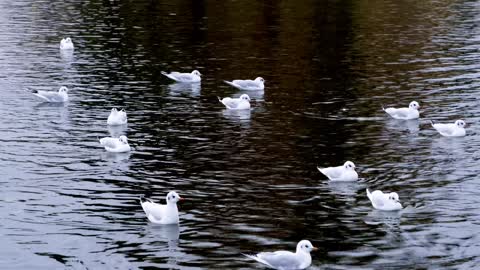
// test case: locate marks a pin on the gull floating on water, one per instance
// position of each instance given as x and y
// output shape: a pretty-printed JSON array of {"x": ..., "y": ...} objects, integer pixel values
[
  {"x": 241, "y": 103},
  {"x": 341, "y": 173},
  {"x": 251, "y": 85},
  {"x": 404, "y": 113},
  {"x": 53, "y": 96},
  {"x": 286, "y": 260},
  {"x": 117, "y": 117},
  {"x": 115, "y": 145},
  {"x": 162, "y": 214},
  {"x": 451, "y": 130},
  {"x": 66, "y": 44},
  {"x": 193, "y": 77},
  {"x": 384, "y": 201}
]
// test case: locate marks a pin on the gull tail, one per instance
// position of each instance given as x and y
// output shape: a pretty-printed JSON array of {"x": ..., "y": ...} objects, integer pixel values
[
  {"x": 219, "y": 99},
  {"x": 369, "y": 195},
  {"x": 432, "y": 123},
  {"x": 258, "y": 259},
  {"x": 164, "y": 73},
  {"x": 383, "y": 107},
  {"x": 230, "y": 83}
]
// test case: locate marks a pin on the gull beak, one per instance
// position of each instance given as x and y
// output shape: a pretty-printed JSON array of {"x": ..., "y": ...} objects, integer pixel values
[
  {"x": 181, "y": 199},
  {"x": 315, "y": 249}
]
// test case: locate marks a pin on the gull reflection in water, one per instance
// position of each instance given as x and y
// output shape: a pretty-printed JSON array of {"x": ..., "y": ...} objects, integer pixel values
[
  {"x": 389, "y": 218},
  {"x": 237, "y": 115},
  {"x": 116, "y": 157},
  {"x": 411, "y": 126},
  {"x": 67, "y": 55},
  {"x": 183, "y": 88},
  {"x": 117, "y": 131}
]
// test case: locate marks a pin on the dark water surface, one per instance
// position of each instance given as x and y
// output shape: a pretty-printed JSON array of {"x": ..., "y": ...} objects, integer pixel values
[{"x": 250, "y": 178}]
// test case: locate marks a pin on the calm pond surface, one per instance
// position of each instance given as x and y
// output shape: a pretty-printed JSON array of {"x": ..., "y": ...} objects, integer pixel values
[{"x": 250, "y": 178}]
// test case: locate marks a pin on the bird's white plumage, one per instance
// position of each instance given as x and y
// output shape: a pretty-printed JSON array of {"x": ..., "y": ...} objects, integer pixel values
[
  {"x": 66, "y": 44},
  {"x": 286, "y": 260},
  {"x": 241, "y": 103},
  {"x": 160, "y": 213},
  {"x": 384, "y": 201},
  {"x": 115, "y": 145},
  {"x": 117, "y": 117},
  {"x": 404, "y": 113},
  {"x": 456, "y": 129},
  {"x": 346, "y": 172},
  {"x": 251, "y": 85},
  {"x": 53, "y": 96},
  {"x": 193, "y": 77}
]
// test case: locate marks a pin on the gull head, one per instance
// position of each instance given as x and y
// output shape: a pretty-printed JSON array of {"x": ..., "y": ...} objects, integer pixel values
[
  {"x": 349, "y": 165},
  {"x": 173, "y": 197},
  {"x": 260, "y": 79},
  {"x": 245, "y": 97},
  {"x": 394, "y": 197},
  {"x": 196, "y": 72},
  {"x": 460, "y": 123},
  {"x": 123, "y": 139},
  {"x": 63, "y": 89},
  {"x": 305, "y": 246},
  {"x": 414, "y": 105}
]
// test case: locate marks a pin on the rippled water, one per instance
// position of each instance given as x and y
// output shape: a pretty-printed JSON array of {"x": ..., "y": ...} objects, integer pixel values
[{"x": 250, "y": 178}]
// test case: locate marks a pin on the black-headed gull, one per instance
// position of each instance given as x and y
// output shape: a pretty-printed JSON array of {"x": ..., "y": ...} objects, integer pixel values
[
  {"x": 384, "y": 201},
  {"x": 162, "y": 214},
  {"x": 404, "y": 113},
  {"x": 117, "y": 117},
  {"x": 241, "y": 103},
  {"x": 66, "y": 44},
  {"x": 286, "y": 260},
  {"x": 193, "y": 77},
  {"x": 346, "y": 172},
  {"x": 451, "y": 130},
  {"x": 53, "y": 96},
  {"x": 252, "y": 85},
  {"x": 115, "y": 145}
]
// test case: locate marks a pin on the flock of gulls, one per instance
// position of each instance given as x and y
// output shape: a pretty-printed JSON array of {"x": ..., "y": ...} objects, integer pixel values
[{"x": 168, "y": 213}]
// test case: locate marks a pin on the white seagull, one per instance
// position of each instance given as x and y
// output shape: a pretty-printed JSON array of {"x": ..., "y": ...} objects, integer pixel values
[
  {"x": 162, "y": 214},
  {"x": 117, "y": 117},
  {"x": 241, "y": 103},
  {"x": 384, "y": 201},
  {"x": 404, "y": 113},
  {"x": 251, "y": 85},
  {"x": 53, "y": 96},
  {"x": 451, "y": 130},
  {"x": 286, "y": 260},
  {"x": 193, "y": 77},
  {"x": 66, "y": 44},
  {"x": 341, "y": 173},
  {"x": 115, "y": 145}
]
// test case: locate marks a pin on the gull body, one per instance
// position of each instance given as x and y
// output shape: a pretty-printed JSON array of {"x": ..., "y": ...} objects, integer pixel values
[
  {"x": 160, "y": 213},
  {"x": 456, "y": 129},
  {"x": 115, "y": 145},
  {"x": 404, "y": 113},
  {"x": 346, "y": 172},
  {"x": 252, "y": 85},
  {"x": 66, "y": 44},
  {"x": 384, "y": 201},
  {"x": 53, "y": 96},
  {"x": 117, "y": 117},
  {"x": 241, "y": 103},
  {"x": 286, "y": 260},
  {"x": 193, "y": 77}
]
